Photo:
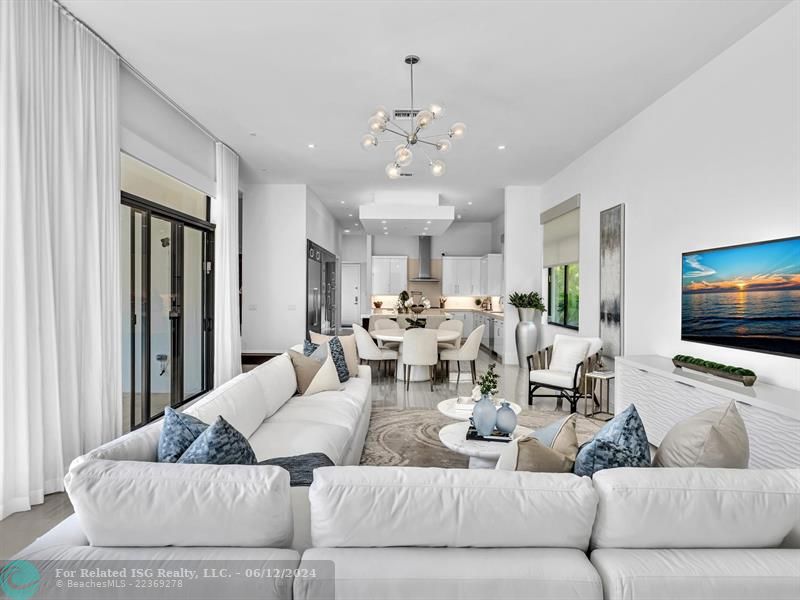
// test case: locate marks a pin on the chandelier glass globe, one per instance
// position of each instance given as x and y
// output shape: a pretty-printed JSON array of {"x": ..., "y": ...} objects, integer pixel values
[
  {"x": 403, "y": 157},
  {"x": 457, "y": 131},
  {"x": 438, "y": 168},
  {"x": 382, "y": 112},
  {"x": 376, "y": 124},
  {"x": 368, "y": 141},
  {"x": 393, "y": 170},
  {"x": 437, "y": 110},
  {"x": 424, "y": 118},
  {"x": 444, "y": 146}
]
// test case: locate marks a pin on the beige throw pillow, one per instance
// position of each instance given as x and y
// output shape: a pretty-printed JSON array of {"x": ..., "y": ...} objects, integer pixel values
[
  {"x": 529, "y": 454},
  {"x": 305, "y": 369},
  {"x": 716, "y": 437},
  {"x": 326, "y": 379},
  {"x": 348, "y": 345}
]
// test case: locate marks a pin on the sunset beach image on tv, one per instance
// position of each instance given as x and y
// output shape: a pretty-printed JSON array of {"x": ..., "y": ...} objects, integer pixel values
[{"x": 744, "y": 296}]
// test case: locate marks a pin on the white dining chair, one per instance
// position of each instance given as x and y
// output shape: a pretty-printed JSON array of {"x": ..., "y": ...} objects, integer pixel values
[
  {"x": 452, "y": 325},
  {"x": 467, "y": 353},
  {"x": 419, "y": 350},
  {"x": 383, "y": 325},
  {"x": 434, "y": 321},
  {"x": 369, "y": 352}
]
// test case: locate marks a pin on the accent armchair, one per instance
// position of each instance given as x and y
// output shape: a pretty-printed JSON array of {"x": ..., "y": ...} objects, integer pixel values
[{"x": 562, "y": 368}]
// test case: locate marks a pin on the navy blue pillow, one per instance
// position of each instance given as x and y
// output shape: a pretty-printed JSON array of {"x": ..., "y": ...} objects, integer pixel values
[
  {"x": 622, "y": 442},
  {"x": 178, "y": 433},
  {"x": 309, "y": 347},
  {"x": 220, "y": 444}
]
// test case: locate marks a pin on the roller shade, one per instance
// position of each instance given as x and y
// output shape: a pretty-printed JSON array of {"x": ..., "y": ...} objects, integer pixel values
[
  {"x": 562, "y": 239},
  {"x": 155, "y": 132}
]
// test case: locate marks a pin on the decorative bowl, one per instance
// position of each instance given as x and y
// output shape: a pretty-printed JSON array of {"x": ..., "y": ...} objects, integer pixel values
[{"x": 417, "y": 309}]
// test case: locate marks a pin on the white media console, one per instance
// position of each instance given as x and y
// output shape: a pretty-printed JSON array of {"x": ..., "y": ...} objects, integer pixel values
[{"x": 664, "y": 395}]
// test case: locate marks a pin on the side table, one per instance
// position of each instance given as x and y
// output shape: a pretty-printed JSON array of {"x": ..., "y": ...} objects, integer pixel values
[{"x": 604, "y": 379}]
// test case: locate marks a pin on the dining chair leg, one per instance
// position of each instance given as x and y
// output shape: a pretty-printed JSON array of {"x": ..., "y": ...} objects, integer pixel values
[
  {"x": 458, "y": 378},
  {"x": 432, "y": 374},
  {"x": 472, "y": 368},
  {"x": 407, "y": 371}
]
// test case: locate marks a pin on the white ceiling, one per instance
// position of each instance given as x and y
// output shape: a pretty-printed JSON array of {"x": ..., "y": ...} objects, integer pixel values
[{"x": 546, "y": 79}]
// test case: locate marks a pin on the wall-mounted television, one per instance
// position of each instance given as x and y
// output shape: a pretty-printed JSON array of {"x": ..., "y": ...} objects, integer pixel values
[{"x": 745, "y": 296}]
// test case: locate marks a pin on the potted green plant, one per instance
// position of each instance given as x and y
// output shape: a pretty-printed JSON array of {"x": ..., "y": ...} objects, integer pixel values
[{"x": 530, "y": 307}]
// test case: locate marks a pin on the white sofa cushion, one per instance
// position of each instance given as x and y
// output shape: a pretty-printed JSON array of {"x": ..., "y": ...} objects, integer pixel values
[
  {"x": 125, "y": 503},
  {"x": 564, "y": 379},
  {"x": 240, "y": 402},
  {"x": 277, "y": 380},
  {"x": 405, "y": 506},
  {"x": 276, "y": 438},
  {"x": 334, "y": 408},
  {"x": 463, "y": 573},
  {"x": 695, "y": 507},
  {"x": 723, "y": 574}
]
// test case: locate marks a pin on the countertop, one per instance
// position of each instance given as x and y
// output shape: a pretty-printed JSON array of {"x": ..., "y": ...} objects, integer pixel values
[{"x": 436, "y": 311}]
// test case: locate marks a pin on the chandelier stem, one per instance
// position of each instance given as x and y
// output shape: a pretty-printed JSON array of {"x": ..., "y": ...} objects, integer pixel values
[{"x": 412, "y": 91}]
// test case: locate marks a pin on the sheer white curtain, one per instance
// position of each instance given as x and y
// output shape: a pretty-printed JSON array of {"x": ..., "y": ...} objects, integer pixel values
[
  {"x": 225, "y": 213},
  {"x": 60, "y": 353}
]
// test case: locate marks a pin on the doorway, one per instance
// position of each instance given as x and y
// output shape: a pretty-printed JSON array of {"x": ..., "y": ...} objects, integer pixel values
[
  {"x": 351, "y": 294},
  {"x": 167, "y": 260}
]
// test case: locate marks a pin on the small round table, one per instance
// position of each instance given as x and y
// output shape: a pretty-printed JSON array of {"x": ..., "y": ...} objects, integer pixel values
[
  {"x": 450, "y": 408},
  {"x": 396, "y": 335},
  {"x": 482, "y": 455}
]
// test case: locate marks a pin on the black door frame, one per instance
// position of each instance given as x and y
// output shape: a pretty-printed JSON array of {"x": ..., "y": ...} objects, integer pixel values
[{"x": 178, "y": 221}]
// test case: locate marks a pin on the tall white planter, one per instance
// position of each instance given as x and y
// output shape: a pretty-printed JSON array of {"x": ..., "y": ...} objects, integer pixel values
[{"x": 527, "y": 334}]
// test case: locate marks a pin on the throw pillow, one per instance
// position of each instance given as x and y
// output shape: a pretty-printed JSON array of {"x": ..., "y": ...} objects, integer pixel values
[
  {"x": 339, "y": 361},
  {"x": 349, "y": 346},
  {"x": 560, "y": 436},
  {"x": 305, "y": 369},
  {"x": 177, "y": 434},
  {"x": 529, "y": 454},
  {"x": 622, "y": 442},
  {"x": 220, "y": 444},
  {"x": 567, "y": 353},
  {"x": 326, "y": 379},
  {"x": 716, "y": 438},
  {"x": 316, "y": 351}
]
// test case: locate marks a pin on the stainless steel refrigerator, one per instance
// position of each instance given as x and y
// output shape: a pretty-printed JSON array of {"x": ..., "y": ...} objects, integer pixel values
[{"x": 320, "y": 290}]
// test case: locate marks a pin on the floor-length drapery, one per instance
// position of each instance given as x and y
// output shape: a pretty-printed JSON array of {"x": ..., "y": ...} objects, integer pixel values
[
  {"x": 225, "y": 214},
  {"x": 60, "y": 337}
]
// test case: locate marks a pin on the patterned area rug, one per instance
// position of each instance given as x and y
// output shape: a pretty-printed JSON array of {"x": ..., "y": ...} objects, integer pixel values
[{"x": 410, "y": 438}]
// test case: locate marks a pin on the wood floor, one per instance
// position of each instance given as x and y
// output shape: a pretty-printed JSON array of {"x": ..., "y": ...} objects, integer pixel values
[{"x": 20, "y": 529}]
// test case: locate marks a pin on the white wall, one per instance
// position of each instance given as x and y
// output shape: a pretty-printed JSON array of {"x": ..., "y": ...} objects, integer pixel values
[
  {"x": 498, "y": 229},
  {"x": 714, "y": 162},
  {"x": 523, "y": 255},
  {"x": 460, "y": 239},
  {"x": 273, "y": 267},
  {"x": 321, "y": 227},
  {"x": 354, "y": 250}
]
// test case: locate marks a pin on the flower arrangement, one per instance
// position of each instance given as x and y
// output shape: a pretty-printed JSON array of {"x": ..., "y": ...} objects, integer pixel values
[
  {"x": 488, "y": 381},
  {"x": 403, "y": 302}
]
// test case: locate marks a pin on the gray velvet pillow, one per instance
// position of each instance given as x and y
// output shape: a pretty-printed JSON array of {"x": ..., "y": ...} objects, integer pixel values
[{"x": 716, "y": 437}]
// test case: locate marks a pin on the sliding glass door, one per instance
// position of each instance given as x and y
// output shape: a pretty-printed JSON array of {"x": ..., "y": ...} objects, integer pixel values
[{"x": 167, "y": 281}]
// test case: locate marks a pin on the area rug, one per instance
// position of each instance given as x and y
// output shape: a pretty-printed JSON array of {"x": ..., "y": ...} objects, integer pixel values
[{"x": 410, "y": 437}]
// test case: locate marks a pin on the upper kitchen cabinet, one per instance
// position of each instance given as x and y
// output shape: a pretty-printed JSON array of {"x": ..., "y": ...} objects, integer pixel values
[
  {"x": 492, "y": 275},
  {"x": 389, "y": 274},
  {"x": 461, "y": 276}
]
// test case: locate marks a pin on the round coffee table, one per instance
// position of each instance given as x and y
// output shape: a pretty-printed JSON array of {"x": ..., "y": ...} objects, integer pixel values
[
  {"x": 482, "y": 455},
  {"x": 449, "y": 408}
]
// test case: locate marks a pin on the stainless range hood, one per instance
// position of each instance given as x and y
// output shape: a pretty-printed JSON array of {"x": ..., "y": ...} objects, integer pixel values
[{"x": 424, "y": 274}]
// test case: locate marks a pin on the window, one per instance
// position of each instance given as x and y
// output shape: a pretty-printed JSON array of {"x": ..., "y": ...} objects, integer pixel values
[{"x": 563, "y": 283}]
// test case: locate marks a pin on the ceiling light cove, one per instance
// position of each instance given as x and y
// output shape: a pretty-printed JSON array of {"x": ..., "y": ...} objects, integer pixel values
[
  {"x": 385, "y": 122},
  {"x": 312, "y": 146}
]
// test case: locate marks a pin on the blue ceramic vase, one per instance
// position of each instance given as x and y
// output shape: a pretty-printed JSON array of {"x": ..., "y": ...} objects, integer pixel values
[
  {"x": 506, "y": 418},
  {"x": 484, "y": 416}
]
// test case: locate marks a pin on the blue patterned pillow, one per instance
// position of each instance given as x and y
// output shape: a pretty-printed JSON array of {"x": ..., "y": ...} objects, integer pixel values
[
  {"x": 622, "y": 442},
  {"x": 319, "y": 352},
  {"x": 337, "y": 354},
  {"x": 220, "y": 444},
  {"x": 178, "y": 433}
]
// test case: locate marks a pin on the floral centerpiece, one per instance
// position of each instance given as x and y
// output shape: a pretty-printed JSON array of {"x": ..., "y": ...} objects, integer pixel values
[{"x": 403, "y": 302}]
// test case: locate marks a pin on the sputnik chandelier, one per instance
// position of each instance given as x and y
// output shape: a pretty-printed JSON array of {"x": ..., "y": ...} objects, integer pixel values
[{"x": 382, "y": 122}]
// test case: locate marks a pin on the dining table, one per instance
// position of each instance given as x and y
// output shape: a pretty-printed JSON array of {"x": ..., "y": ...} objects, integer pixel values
[{"x": 418, "y": 373}]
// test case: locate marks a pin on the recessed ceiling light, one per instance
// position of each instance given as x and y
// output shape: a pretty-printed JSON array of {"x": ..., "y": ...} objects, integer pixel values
[
  {"x": 385, "y": 228},
  {"x": 383, "y": 222},
  {"x": 428, "y": 222},
  {"x": 312, "y": 146},
  {"x": 458, "y": 216},
  {"x": 385, "y": 233},
  {"x": 350, "y": 215},
  {"x": 426, "y": 229},
  {"x": 501, "y": 147},
  {"x": 347, "y": 231},
  {"x": 470, "y": 203},
  {"x": 341, "y": 201}
]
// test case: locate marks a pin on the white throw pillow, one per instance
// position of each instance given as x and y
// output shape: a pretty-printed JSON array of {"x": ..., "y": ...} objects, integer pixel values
[
  {"x": 348, "y": 345},
  {"x": 326, "y": 379},
  {"x": 567, "y": 353}
]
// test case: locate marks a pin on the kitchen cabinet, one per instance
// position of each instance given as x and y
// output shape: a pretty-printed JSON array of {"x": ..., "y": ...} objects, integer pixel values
[
  {"x": 389, "y": 274},
  {"x": 491, "y": 275},
  {"x": 461, "y": 276},
  {"x": 497, "y": 347}
]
